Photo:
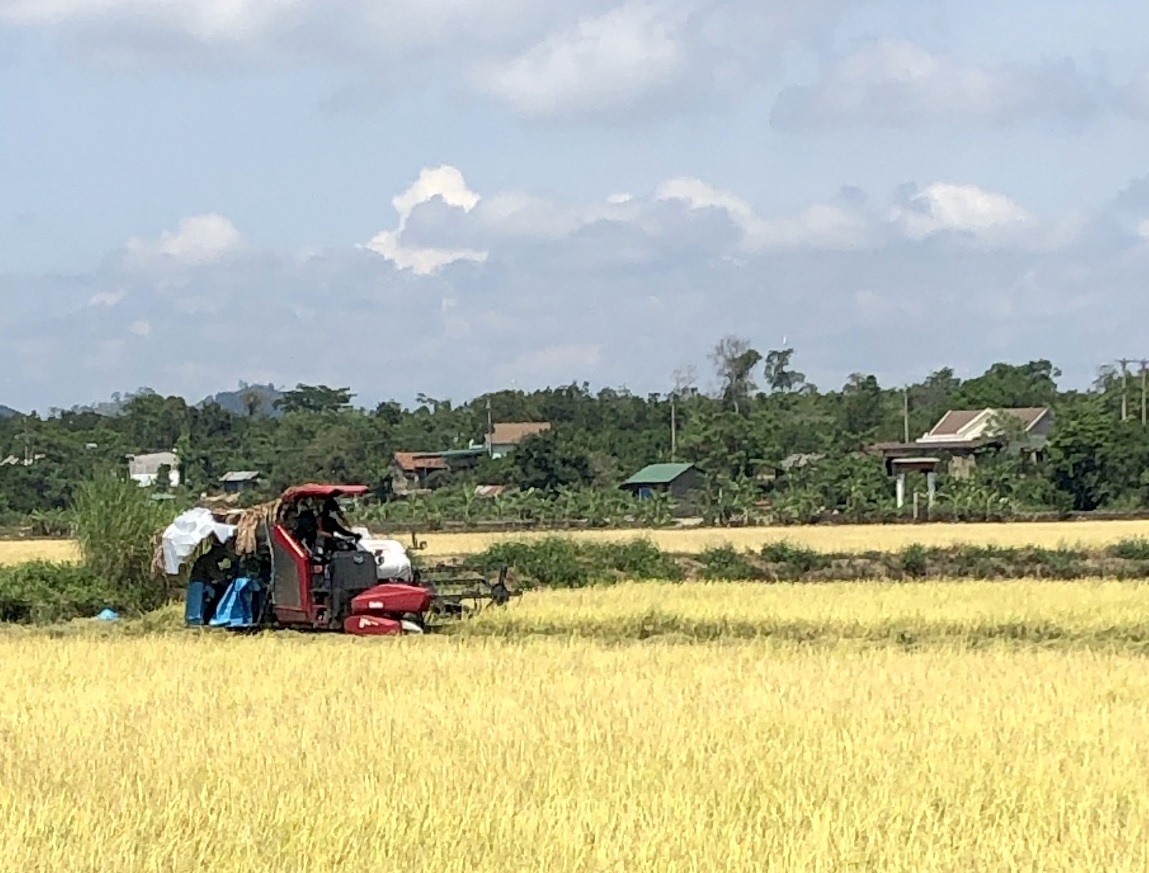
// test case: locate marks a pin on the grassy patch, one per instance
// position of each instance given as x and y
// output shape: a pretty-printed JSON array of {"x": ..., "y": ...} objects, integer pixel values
[{"x": 42, "y": 591}]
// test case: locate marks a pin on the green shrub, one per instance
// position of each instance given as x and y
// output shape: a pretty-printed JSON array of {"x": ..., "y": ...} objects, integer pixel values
[
  {"x": 115, "y": 525},
  {"x": 979, "y": 562},
  {"x": 914, "y": 560},
  {"x": 636, "y": 559},
  {"x": 42, "y": 591},
  {"x": 554, "y": 561},
  {"x": 558, "y": 561},
  {"x": 50, "y": 523},
  {"x": 800, "y": 560},
  {"x": 1136, "y": 549},
  {"x": 1060, "y": 563},
  {"x": 726, "y": 562}
]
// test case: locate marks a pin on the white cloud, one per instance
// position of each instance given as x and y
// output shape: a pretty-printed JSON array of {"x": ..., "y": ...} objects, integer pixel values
[
  {"x": 208, "y": 17},
  {"x": 106, "y": 298},
  {"x": 443, "y": 183},
  {"x": 820, "y": 225},
  {"x": 548, "y": 307},
  {"x": 600, "y": 64},
  {"x": 200, "y": 240},
  {"x": 966, "y": 209},
  {"x": 612, "y": 59},
  {"x": 256, "y": 27},
  {"x": 687, "y": 211},
  {"x": 701, "y": 195},
  {"x": 895, "y": 82}
]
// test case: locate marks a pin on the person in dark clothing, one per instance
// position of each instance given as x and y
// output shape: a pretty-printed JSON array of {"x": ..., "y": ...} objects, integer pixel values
[
  {"x": 307, "y": 528},
  {"x": 332, "y": 526}
]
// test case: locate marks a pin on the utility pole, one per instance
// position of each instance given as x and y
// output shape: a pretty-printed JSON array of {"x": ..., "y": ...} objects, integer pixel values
[
  {"x": 1144, "y": 393},
  {"x": 490, "y": 423},
  {"x": 673, "y": 428},
  {"x": 1124, "y": 362},
  {"x": 906, "y": 414},
  {"x": 1125, "y": 387}
]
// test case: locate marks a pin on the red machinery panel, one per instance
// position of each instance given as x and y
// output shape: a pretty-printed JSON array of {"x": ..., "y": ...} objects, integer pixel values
[
  {"x": 291, "y": 582},
  {"x": 391, "y": 598},
  {"x": 371, "y": 625}
]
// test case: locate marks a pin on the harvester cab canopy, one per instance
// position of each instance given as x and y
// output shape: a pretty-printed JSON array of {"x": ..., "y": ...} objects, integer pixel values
[{"x": 322, "y": 492}]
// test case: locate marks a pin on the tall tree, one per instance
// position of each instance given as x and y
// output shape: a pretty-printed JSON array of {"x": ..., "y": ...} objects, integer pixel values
[
  {"x": 780, "y": 376},
  {"x": 1080, "y": 455},
  {"x": 863, "y": 407},
  {"x": 315, "y": 398},
  {"x": 544, "y": 462},
  {"x": 734, "y": 361},
  {"x": 1009, "y": 385}
]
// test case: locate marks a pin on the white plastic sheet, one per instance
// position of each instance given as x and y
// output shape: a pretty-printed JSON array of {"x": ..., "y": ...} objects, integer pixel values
[
  {"x": 391, "y": 561},
  {"x": 189, "y": 530}
]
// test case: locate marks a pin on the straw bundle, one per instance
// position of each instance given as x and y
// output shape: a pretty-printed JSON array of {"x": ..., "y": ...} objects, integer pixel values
[{"x": 248, "y": 525}]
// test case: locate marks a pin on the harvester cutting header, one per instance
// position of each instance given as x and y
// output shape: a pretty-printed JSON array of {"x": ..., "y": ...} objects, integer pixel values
[{"x": 295, "y": 563}]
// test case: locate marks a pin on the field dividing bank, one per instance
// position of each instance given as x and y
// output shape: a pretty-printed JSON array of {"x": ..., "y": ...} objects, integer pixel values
[
  {"x": 566, "y": 755},
  {"x": 825, "y": 538}
]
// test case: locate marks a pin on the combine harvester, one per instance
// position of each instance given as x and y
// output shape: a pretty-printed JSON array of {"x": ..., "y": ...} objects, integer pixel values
[{"x": 293, "y": 564}]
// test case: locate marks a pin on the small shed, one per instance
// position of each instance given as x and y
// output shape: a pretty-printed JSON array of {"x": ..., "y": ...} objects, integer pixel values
[
  {"x": 675, "y": 479},
  {"x": 239, "y": 480}
]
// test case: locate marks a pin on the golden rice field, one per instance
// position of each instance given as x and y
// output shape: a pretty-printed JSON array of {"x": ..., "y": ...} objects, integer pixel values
[
  {"x": 1091, "y": 613},
  {"x": 565, "y": 752},
  {"x": 833, "y": 538}
]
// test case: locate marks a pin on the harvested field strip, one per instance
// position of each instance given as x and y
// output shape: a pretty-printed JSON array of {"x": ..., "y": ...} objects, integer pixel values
[
  {"x": 19, "y": 551},
  {"x": 485, "y": 755},
  {"x": 826, "y": 538},
  {"x": 967, "y": 613}
]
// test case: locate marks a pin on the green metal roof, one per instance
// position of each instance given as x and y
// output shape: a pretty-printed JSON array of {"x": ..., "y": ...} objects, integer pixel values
[{"x": 657, "y": 474}]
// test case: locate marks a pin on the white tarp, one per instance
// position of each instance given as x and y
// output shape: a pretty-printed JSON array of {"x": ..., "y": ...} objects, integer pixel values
[
  {"x": 391, "y": 561},
  {"x": 189, "y": 530}
]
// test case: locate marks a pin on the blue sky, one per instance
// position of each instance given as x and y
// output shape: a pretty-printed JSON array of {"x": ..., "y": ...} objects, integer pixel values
[{"x": 453, "y": 198}]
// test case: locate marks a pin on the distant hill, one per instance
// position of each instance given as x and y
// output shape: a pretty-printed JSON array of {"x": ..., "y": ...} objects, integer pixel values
[
  {"x": 7, "y": 411},
  {"x": 262, "y": 398}
]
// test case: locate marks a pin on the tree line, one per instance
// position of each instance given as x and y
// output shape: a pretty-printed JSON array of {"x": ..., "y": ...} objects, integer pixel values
[{"x": 760, "y": 411}]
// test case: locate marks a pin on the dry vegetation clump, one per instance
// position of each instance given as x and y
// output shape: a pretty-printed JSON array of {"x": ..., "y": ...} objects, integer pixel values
[{"x": 214, "y": 752}]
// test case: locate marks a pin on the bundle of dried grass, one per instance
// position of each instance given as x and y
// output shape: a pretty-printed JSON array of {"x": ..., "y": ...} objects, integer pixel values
[
  {"x": 158, "y": 553},
  {"x": 248, "y": 524}
]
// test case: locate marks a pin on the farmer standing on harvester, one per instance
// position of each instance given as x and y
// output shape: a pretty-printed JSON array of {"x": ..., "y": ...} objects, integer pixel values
[{"x": 332, "y": 525}]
